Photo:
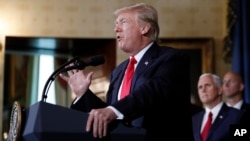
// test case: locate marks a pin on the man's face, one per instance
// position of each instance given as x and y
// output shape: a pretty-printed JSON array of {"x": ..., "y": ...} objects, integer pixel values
[
  {"x": 231, "y": 85},
  {"x": 207, "y": 90},
  {"x": 128, "y": 32}
]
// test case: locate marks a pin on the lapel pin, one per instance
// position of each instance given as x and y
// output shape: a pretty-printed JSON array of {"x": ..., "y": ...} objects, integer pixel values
[{"x": 146, "y": 63}]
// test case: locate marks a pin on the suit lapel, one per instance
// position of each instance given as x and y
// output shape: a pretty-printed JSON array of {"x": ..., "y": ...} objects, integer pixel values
[
  {"x": 219, "y": 119},
  {"x": 197, "y": 125},
  {"x": 145, "y": 62},
  {"x": 116, "y": 81}
]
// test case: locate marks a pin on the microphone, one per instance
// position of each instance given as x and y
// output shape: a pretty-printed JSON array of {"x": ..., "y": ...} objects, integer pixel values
[
  {"x": 81, "y": 64},
  {"x": 78, "y": 64}
]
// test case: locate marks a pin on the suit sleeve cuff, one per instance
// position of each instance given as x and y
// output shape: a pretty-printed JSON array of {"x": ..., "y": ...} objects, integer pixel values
[{"x": 118, "y": 113}]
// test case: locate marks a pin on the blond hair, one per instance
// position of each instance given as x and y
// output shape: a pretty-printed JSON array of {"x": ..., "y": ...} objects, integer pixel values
[{"x": 145, "y": 13}]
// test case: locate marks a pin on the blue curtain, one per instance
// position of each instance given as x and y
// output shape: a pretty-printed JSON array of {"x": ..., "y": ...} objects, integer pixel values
[{"x": 241, "y": 44}]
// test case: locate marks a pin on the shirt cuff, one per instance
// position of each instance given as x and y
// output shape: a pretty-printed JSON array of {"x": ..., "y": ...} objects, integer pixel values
[{"x": 118, "y": 113}]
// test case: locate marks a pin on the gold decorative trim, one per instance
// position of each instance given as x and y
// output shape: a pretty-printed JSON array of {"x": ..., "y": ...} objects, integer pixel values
[
  {"x": 228, "y": 40},
  {"x": 15, "y": 122},
  {"x": 205, "y": 45}
]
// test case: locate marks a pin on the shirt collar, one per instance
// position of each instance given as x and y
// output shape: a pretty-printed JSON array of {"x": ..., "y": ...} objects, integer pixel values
[
  {"x": 215, "y": 110},
  {"x": 139, "y": 55},
  {"x": 237, "y": 105}
]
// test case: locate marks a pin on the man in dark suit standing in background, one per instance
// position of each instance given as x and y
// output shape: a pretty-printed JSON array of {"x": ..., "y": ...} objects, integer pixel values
[
  {"x": 159, "y": 97},
  {"x": 233, "y": 91},
  {"x": 233, "y": 87},
  {"x": 222, "y": 117}
]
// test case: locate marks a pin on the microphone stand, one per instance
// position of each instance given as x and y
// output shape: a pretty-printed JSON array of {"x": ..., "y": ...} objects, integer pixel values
[{"x": 54, "y": 75}]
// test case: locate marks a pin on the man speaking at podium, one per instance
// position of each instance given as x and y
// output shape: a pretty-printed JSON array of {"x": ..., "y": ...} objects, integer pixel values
[{"x": 150, "y": 90}]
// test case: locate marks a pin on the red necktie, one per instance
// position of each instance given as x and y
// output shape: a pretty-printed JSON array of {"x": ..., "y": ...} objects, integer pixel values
[
  {"x": 207, "y": 127},
  {"x": 128, "y": 78}
]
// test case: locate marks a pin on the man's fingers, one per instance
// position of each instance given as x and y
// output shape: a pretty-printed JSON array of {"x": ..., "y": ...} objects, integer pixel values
[
  {"x": 65, "y": 78},
  {"x": 105, "y": 129},
  {"x": 95, "y": 125},
  {"x": 89, "y": 76},
  {"x": 70, "y": 72},
  {"x": 89, "y": 122},
  {"x": 100, "y": 128}
]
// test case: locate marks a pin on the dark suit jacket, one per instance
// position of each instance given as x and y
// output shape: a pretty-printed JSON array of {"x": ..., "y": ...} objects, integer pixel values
[
  {"x": 245, "y": 107},
  {"x": 159, "y": 100},
  {"x": 245, "y": 121},
  {"x": 220, "y": 130}
]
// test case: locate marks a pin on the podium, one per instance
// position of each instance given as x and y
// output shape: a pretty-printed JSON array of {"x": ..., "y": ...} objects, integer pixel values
[{"x": 48, "y": 122}]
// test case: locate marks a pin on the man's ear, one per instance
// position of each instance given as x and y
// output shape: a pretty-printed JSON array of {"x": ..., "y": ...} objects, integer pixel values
[
  {"x": 220, "y": 91},
  {"x": 242, "y": 86},
  {"x": 145, "y": 29}
]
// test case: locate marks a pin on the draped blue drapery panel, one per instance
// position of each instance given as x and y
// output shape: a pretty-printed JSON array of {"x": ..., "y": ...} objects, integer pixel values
[{"x": 241, "y": 44}]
